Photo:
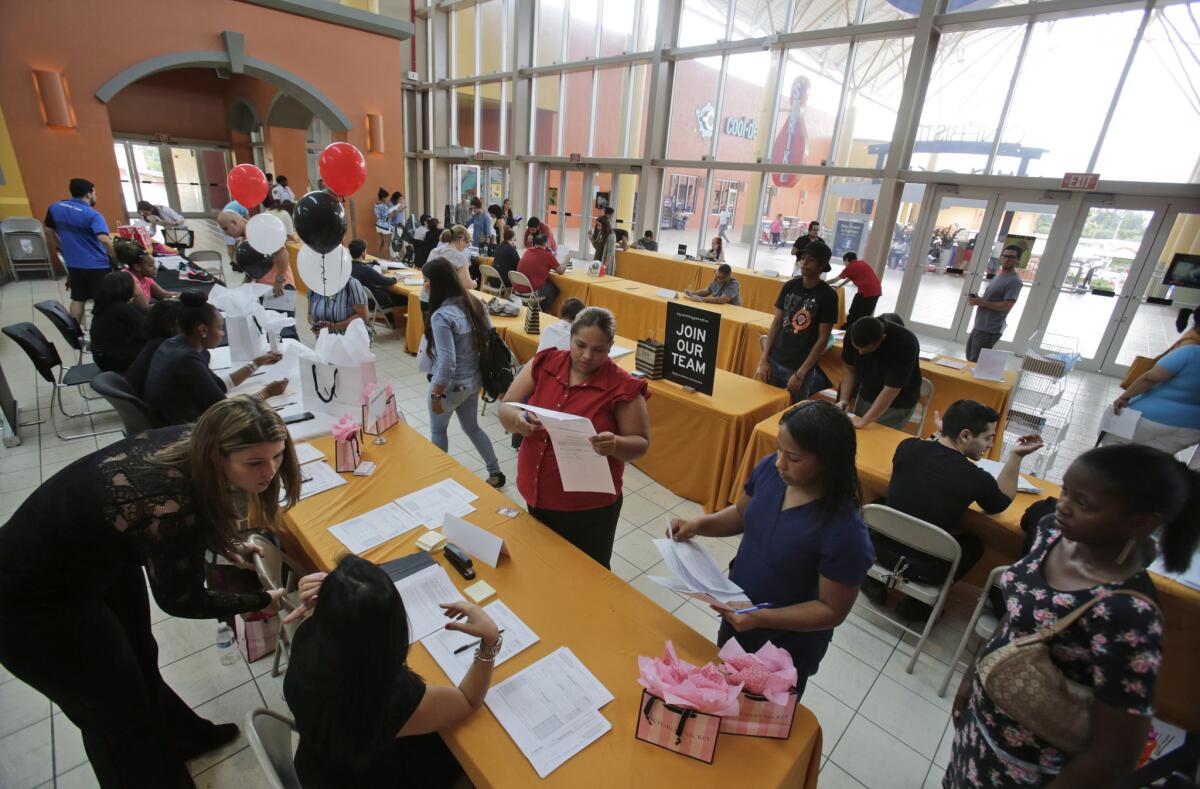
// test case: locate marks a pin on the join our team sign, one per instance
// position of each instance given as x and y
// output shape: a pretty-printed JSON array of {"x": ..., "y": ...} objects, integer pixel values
[{"x": 691, "y": 347}]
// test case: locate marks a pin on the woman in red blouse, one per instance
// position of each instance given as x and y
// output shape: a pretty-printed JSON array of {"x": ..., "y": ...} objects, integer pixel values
[{"x": 582, "y": 381}]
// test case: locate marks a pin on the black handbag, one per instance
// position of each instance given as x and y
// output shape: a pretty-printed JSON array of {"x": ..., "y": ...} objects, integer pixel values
[{"x": 907, "y": 563}]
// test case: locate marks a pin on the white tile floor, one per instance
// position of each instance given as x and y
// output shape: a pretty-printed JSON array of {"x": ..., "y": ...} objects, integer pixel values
[{"x": 883, "y": 728}]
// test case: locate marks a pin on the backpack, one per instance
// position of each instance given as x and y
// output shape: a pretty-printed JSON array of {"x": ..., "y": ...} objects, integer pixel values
[{"x": 498, "y": 366}]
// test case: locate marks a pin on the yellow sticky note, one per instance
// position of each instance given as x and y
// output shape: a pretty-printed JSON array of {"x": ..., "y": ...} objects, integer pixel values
[
  {"x": 479, "y": 591},
  {"x": 431, "y": 541}
]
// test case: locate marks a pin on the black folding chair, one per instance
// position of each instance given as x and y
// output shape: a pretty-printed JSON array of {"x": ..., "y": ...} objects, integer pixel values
[
  {"x": 68, "y": 327},
  {"x": 45, "y": 358},
  {"x": 136, "y": 416}
]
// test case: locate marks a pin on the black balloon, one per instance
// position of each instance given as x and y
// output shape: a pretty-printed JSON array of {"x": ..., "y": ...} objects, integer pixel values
[
  {"x": 252, "y": 262},
  {"x": 320, "y": 221}
]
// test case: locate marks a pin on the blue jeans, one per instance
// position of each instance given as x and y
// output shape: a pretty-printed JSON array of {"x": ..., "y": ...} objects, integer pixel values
[
  {"x": 460, "y": 399},
  {"x": 779, "y": 374}
]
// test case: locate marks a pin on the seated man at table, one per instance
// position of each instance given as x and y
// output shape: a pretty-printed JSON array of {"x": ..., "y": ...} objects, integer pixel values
[
  {"x": 885, "y": 359},
  {"x": 804, "y": 316},
  {"x": 536, "y": 264},
  {"x": 646, "y": 242},
  {"x": 376, "y": 283},
  {"x": 534, "y": 228},
  {"x": 507, "y": 257},
  {"x": 558, "y": 335},
  {"x": 948, "y": 460},
  {"x": 724, "y": 289}
]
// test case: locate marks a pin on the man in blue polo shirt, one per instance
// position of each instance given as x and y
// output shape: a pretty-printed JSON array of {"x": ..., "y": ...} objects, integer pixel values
[{"x": 82, "y": 237}]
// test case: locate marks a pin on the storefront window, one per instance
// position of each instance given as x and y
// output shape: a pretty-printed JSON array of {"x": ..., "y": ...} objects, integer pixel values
[
  {"x": 1085, "y": 55},
  {"x": 970, "y": 78},
  {"x": 1155, "y": 132},
  {"x": 741, "y": 129},
  {"x": 682, "y": 210}
]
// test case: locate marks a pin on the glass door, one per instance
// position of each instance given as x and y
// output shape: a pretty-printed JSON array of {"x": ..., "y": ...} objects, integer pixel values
[
  {"x": 188, "y": 186},
  {"x": 215, "y": 163}
]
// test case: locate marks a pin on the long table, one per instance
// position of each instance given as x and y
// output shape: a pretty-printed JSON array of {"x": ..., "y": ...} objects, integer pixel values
[
  {"x": 1179, "y": 683},
  {"x": 696, "y": 441},
  {"x": 568, "y": 600}
]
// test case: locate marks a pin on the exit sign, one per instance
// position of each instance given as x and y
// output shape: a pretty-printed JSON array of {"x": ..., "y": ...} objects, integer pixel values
[
  {"x": 576, "y": 158},
  {"x": 480, "y": 156},
  {"x": 1080, "y": 180}
]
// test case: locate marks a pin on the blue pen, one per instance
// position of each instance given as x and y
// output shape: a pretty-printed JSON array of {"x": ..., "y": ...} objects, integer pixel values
[{"x": 758, "y": 607}]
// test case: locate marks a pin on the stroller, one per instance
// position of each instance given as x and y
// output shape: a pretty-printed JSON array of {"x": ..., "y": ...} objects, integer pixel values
[{"x": 400, "y": 247}]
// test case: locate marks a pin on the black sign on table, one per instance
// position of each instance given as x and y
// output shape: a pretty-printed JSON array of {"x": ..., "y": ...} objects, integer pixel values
[{"x": 691, "y": 346}]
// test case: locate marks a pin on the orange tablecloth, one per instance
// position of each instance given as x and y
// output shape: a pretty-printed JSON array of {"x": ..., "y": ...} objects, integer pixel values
[
  {"x": 577, "y": 284},
  {"x": 1179, "y": 683},
  {"x": 415, "y": 326},
  {"x": 696, "y": 441},
  {"x": 642, "y": 313},
  {"x": 568, "y": 600},
  {"x": 949, "y": 384}
]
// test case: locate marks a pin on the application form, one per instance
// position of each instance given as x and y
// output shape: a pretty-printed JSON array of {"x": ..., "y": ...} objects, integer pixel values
[
  {"x": 696, "y": 572},
  {"x": 431, "y": 504},
  {"x": 579, "y": 466},
  {"x": 363, "y": 532},
  {"x": 444, "y": 644},
  {"x": 422, "y": 593}
]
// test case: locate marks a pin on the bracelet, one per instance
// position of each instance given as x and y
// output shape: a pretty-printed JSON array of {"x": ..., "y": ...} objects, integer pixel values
[
  {"x": 486, "y": 654},
  {"x": 253, "y": 367}
]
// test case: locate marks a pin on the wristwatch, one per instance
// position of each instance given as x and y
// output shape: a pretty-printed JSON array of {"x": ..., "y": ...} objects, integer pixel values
[
  {"x": 488, "y": 654},
  {"x": 436, "y": 396}
]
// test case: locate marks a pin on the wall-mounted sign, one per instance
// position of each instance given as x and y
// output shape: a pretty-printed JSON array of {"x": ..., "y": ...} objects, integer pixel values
[
  {"x": 706, "y": 120},
  {"x": 1080, "y": 180},
  {"x": 691, "y": 347},
  {"x": 746, "y": 128},
  {"x": 576, "y": 158}
]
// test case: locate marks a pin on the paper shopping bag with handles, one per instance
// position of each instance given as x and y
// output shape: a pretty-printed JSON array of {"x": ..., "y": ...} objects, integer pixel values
[
  {"x": 678, "y": 729},
  {"x": 336, "y": 372},
  {"x": 379, "y": 411},
  {"x": 758, "y": 716},
  {"x": 257, "y": 632},
  {"x": 347, "y": 445},
  {"x": 245, "y": 319}
]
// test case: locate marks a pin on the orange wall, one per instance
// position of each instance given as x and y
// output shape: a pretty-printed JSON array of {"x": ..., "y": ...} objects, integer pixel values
[
  {"x": 87, "y": 59},
  {"x": 288, "y": 157},
  {"x": 188, "y": 103}
]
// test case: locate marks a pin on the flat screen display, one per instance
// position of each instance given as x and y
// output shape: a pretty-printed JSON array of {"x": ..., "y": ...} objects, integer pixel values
[{"x": 1184, "y": 271}]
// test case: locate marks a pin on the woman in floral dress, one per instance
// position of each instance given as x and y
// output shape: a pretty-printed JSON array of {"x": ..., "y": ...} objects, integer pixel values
[{"x": 1099, "y": 540}]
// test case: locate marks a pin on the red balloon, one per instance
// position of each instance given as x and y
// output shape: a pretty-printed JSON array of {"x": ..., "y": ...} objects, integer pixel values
[
  {"x": 247, "y": 185},
  {"x": 343, "y": 168}
]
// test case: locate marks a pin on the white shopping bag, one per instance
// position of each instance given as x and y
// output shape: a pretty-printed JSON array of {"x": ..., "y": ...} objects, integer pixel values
[
  {"x": 246, "y": 321},
  {"x": 247, "y": 337},
  {"x": 334, "y": 374}
]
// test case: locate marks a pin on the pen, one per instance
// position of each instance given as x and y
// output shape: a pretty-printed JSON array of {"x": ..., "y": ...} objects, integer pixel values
[
  {"x": 754, "y": 608},
  {"x": 465, "y": 647}
]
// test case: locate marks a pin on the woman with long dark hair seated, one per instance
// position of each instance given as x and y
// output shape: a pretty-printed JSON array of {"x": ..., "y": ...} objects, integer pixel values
[
  {"x": 804, "y": 547},
  {"x": 116, "y": 323},
  {"x": 74, "y": 616},
  {"x": 365, "y": 719}
]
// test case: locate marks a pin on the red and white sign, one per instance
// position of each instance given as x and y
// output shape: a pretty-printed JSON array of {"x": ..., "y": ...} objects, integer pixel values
[
  {"x": 1080, "y": 180},
  {"x": 576, "y": 158}
]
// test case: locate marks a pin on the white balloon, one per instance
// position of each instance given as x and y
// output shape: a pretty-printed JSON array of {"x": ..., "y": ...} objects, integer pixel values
[
  {"x": 266, "y": 233},
  {"x": 324, "y": 274}
]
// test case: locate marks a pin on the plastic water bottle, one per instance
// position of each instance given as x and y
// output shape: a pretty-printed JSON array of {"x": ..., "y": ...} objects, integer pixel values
[{"x": 225, "y": 647}]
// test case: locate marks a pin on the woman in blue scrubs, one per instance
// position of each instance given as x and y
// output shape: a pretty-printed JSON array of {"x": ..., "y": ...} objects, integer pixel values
[{"x": 804, "y": 548}]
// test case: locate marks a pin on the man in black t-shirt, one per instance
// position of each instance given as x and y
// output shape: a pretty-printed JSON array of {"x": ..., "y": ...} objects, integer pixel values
[
  {"x": 798, "y": 246},
  {"x": 937, "y": 480},
  {"x": 885, "y": 359},
  {"x": 805, "y": 313}
]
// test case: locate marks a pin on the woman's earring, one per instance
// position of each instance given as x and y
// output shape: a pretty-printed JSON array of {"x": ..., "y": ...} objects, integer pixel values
[{"x": 1128, "y": 549}]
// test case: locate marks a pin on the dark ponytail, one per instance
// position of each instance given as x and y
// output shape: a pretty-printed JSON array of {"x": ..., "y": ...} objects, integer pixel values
[{"x": 1151, "y": 481}]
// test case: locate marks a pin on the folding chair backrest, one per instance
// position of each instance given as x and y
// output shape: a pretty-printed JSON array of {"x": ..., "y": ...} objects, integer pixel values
[
  {"x": 916, "y": 424},
  {"x": 516, "y": 278},
  {"x": 270, "y": 736},
  {"x": 64, "y": 321},
  {"x": 913, "y": 532},
  {"x": 40, "y": 351},
  {"x": 136, "y": 416},
  {"x": 762, "y": 342},
  {"x": 205, "y": 256},
  {"x": 489, "y": 279},
  {"x": 271, "y": 563}
]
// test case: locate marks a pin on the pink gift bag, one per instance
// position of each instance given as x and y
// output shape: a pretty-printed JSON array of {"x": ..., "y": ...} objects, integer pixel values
[
  {"x": 684, "y": 731},
  {"x": 388, "y": 419},
  {"x": 256, "y": 634},
  {"x": 349, "y": 453},
  {"x": 759, "y": 717}
]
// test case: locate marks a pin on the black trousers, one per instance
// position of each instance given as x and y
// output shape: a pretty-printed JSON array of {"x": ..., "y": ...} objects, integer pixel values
[
  {"x": 591, "y": 531},
  {"x": 860, "y": 307},
  {"x": 99, "y": 664}
]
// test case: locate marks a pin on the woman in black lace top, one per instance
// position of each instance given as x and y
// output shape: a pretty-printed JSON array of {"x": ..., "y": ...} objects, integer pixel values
[{"x": 74, "y": 614}]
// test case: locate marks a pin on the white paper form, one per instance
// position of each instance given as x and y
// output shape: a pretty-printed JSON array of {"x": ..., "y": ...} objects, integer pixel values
[
  {"x": 551, "y": 709},
  {"x": 953, "y": 364},
  {"x": 579, "y": 466},
  {"x": 697, "y": 570},
  {"x": 318, "y": 477},
  {"x": 430, "y": 505},
  {"x": 991, "y": 364},
  {"x": 422, "y": 593},
  {"x": 219, "y": 358},
  {"x": 364, "y": 532},
  {"x": 443, "y": 644},
  {"x": 1122, "y": 425},
  {"x": 617, "y": 351},
  {"x": 307, "y": 453},
  {"x": 994, "y": 467}
]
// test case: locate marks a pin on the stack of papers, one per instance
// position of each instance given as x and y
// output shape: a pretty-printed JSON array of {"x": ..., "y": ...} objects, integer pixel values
[
  {"x": 219, "y": 358},
  {"x": 551, "y": 709},
  {"x": 444, "y": 645},
  {"x": 928, "y": 356},
  {"x": 953, "y": 364},
  {"x": 363, "y": 532},
  {"x": 318, "y": 477},
  {"x": 617, "y": 351},
  {"x": 696, "y": 573},
  {"x": 307, "y": 453},
  {"x": 994, "y": 467},
  {"x": 423, "y": 593},
  {"x": 431, "y": 505}
]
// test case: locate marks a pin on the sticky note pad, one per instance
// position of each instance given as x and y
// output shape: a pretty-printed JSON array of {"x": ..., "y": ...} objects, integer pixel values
[
  {"x": 479, "y": 591},
  {"x": 431, "y": 541}
]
